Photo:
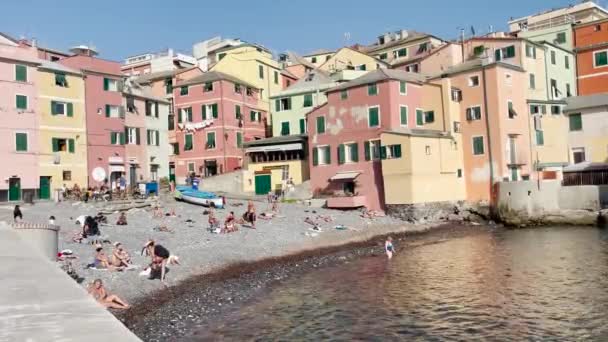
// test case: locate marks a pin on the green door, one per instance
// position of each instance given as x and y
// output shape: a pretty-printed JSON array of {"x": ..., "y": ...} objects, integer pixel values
[
  {"x": 514, "y": 174},
  {"x": 172, "y": 173},
  {"x": 45, "y": 187},
  {"x": 14, "y": 189},
  {"x": 262, "y": 184}
]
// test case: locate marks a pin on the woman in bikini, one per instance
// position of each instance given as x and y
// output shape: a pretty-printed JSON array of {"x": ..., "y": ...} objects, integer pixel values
[
  {"x": 120, "y": 257},
  {"x": 98, "y": 291},
  {"x": 389, "y": 248}
]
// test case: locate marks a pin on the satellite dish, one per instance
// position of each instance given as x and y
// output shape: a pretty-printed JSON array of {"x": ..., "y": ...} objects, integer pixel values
[{"x": 99, "y": 174}]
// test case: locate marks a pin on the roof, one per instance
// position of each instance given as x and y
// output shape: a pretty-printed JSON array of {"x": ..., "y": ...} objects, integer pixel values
[
  {"x": 48, "y": 65},
  {"x": 143, "y": 92},
  {"x": 297, "y": 59},
  {"x": 212, "y": 76},
  {"x": 587, "y": 101},
  {"x": 232, "y": 47},
  {"x": 93, "y": 64},
  {"x": 508, "y": 38},
  {"x": 474, "y": 65},
  {"x": 417, "y": 132},
  {"x": 412, "y": 36},
  {"x": 286, "y": 139},
  {"x": 319, "y": 52},
  {"x": 288, "y": 74},
  {"x": 312, "y": 81},
  {"x": 153, "y": 76},
  {"x": 400, "y": 62},
  {"x": 381, "y": 75},
  {"x": 586, "y": 166},
  {"x": 583, "y": 5}
]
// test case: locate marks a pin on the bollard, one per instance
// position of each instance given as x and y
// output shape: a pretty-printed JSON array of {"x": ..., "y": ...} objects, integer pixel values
[{"x": 41, "y": 236}]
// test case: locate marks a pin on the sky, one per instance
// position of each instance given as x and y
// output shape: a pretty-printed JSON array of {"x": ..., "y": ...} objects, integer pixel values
[{"x": 122, "y": 28}]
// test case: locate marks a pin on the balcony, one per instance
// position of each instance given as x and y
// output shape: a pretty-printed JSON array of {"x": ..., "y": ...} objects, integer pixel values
[{"x": 346, "y": 202}]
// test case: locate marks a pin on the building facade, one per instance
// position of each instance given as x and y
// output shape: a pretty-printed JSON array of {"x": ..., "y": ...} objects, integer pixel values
[
  {"x": 588, "y": 128},
  {"x": 591, "y": 42}
]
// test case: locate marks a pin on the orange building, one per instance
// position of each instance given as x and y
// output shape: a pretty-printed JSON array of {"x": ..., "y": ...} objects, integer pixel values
[{"x": 591, "y": 45}]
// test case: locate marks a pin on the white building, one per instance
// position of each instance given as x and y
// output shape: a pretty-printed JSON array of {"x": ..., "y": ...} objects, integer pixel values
[{"x": 203, "y": 51}]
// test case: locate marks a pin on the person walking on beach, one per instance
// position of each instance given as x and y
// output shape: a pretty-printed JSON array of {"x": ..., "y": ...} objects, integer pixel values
[
  {"x": 98, "y": 291},
  {"x": 17, "y": 214},
  {"x": 389, "y": 248},
  {"x": 250, "y": 215}
]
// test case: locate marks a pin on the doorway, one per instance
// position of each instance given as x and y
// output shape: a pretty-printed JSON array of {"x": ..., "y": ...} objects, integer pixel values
[
  {"x": 210, "y": 168},
  {"x": 45, "y": 188},
  {"x": 262, "y": 184},
  {"x": 133, "y": 176},
  {"x": 172, "y": 173},
  {"x": 14, "y": 189}
]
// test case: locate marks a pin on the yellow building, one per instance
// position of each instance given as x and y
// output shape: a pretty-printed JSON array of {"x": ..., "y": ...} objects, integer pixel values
[
  {"x": 63, "y": 139},
  {"x": 548, "y": 129},
  {"x": 587, "y": 128},
  {"x": 275, "y": 164},
  {"x": 349, "y": 59}
]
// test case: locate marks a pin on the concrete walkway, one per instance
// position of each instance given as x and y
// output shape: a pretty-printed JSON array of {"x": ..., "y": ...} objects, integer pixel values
[{"x": 39, "y": 302}]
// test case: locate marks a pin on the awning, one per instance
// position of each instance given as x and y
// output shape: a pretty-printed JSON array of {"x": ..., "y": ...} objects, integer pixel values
[
  {"x": 345, "y": 175},
  {"x": 272, "y": 148},
  {"x": 117, "y": 168}
]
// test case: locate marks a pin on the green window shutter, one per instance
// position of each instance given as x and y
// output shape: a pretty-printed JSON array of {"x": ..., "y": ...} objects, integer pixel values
[
  {"x": 126, "y": 133},
  {"x": 188, "y": 142},
  {"x": 112, "y": 138},
  {"x": 53, "y": 108},
  {"x": 276, "y": 77},
  {"x": 372, "y": 89},
  {"x": 237, "y": 110},
  {"x": 576, "y": 122},
  {"x": 429, "y": 116},
  {"x": 419, "y": 117},
  {"x": 402, "y": 52},
  {"x": 106, "y": 84},
  {"x": 21, "y": 142},
  {"x": 137, "y": 136},
  {"x": 601, "y": 58},
  {"x": 354, "y": 152},
  {"x": 55, "y": 143},
  {"x": 344, "y": 95},
  {"x": 20, "y": 73},
  {"x": 211, "y": 138},
  {"x": 190, "y": 114},
  {"x": 511, "y": 51},
  {"x": 315, "y": 156},
  {"x": 302, "y": 126},
  {"x": 497, "y": 55},
  {"x": 148, "y": 138},
  {"x": 277, "y": 105},
  {"x": 308, "y": 100},
  {"x": 204, "y": 112},
  {"x": 403, "y": 87},
  {"x": 396, "y": 151},
  {"x": 252, "y": 116},
  {"x": 382, "y": 152},
  {"x": 214, "y": 110},
  {"x": 328, "y": 155},
  {"x": 21, "y": 102},
  {"x": 540, "y": 138},
  {"x": 340, "y": 154},
  {"x": 320, "y": 124},
  {"x": 284, "y": 128},
  {"x": 123, "y": 138},
  {"x": 373, "y": 117},
  {"x": 107, "y": 111},
  {"x": 71, "y": 146},
  {"x": 261, "y": 71},
  {"x": 156, "y": 114},
  {"x": 239, "y": 139},
  {"x": 180, "y": 113},
  {"x": 478, "y": 145},
  {"x": 366, "y": 147},
  {"x": 404, "y": 116},
  {"x": 70, "y": 109}
]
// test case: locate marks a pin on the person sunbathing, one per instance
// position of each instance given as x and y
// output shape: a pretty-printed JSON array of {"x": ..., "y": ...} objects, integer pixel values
[
  {"x": 122, "y": 219},
  {"x": 213, "y": 221},
  {"x": 230, "y": 223},
  {"x": 98, "y": 291},
  {"x": 158, "y": 212},
  {"x": 101, "y": 259},
  {"x": 120, "y": 257}
]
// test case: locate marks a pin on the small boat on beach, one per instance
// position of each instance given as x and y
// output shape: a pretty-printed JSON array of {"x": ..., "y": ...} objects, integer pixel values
[{"x": 204, "y": 198}]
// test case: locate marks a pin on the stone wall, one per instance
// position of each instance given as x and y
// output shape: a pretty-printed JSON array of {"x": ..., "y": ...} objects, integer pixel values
[
  {"x": 229, "y": 182},
  {"x": 425, "y": 212}
]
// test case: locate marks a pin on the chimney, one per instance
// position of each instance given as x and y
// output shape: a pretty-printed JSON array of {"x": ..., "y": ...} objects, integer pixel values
[{"x": 34, "y": 42}]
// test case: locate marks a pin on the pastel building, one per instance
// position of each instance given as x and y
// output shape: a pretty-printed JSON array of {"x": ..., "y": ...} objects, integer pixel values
[
  {"x": 318, "y": 57},
  {"x": 539, "y": 23},
  {"x": 433, "y": 61},
  {"x": 361, "y": 126},
  {"x": 591, "y": 40},
  {"x": 350, "y": 59},
  {"x": 105, "y": 116},
  {"x": 204, "y": 51},
  {"x": 588, "y": 128},
  {"x": 19, "y": 140},
  {"x": 153, "y": 62},
  {"x": 62, "y": 124},
  {"x": 216, "y": 114}
]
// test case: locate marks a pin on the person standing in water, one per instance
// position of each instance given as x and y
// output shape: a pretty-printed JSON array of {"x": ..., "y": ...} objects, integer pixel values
[{"x": 389, "y": 248}]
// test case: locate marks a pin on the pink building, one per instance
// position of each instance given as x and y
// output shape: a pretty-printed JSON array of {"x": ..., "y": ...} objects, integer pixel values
[
  {"x": 344, "y": 135},
  {"x": 215, "y": 113},
  {"x": 135, "y": 139},
  {"x": 19, "y": 147},
  {"x": 105, "y": 115}
]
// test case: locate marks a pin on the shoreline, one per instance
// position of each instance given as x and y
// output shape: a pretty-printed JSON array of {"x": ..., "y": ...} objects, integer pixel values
[{"x": 176, "y": 311}]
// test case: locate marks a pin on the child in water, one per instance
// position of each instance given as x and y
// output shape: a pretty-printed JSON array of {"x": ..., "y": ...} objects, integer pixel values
[{"x": 389, "y": 248}]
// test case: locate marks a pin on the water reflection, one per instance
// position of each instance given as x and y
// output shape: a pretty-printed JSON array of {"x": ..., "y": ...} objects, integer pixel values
[{"x": 500, "y": 285}]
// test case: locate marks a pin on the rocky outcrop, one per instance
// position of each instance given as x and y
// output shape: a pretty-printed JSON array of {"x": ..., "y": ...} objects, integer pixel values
[
  {"x": 441, "y": 211},
  {"x": 515, "y": 218}
]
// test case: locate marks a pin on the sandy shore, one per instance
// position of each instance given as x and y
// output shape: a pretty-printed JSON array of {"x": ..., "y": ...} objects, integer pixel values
[{"x": 200, "y": 251}]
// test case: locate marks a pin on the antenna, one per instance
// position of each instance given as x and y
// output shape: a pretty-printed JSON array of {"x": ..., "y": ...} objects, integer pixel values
[{"x": 346, "y": 38}]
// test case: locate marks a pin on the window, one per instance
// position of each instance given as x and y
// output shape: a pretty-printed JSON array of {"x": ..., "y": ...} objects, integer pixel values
[
  {"x": 403, "y": 115},
  {"x": 600, "y": 58},
  {"x": 151, "y": 108},
  {"x": 221, "y": 56},
  {"x": 567, "y": 62},
  {"x": 403, "y": 88},
  {"x": 553, "y": 58},
  {"x": 283, "y": 104},
  {"x": 62, "y": 108},
  {"x": 532, "y": 81},
  {"x": 327, "y": 57},
  {"x": 568, "y": 92},
  {"x": 578, "y": 155},
  {"x": 478, "y": 148},
  {"x": 473, "y": 81},
  {"x": 237, "y": 88},
  {"x": 313, "y": 60},
  {"x": 60, "y": 80},
  {"x": 373, "y": 116},
  {"x": 321, "y": 155},
  {"x": 538, "y": 109},
  {"x": 20, "y": 73},
  {"x": 183, "y": 91},
  {"x": 344, "y": 94},
  {"x": 383, "y": 56},
  {"x": 210, "y": 140},
  {"x": 473, "y": 113},
  {"x": 510, "y": 111},
  {"x": 131, "y": 105},
  {"x": 302, "y": 126},
  {"x": 575, "y": 122},
  {"x": 21, "y": 101},
  {"x": 249, "y": 91},
  {"x": 207, "y": 87},
  {"x": 209, "y": 112},
  {"x": 171, "y": 122},
  {"x": 429, "y": 116},
  {"x": 255, "y": 116},
  {"x": 478, "y": 50},
  {"x": 560, "y": 38},
  {"x": 117, "y": 138},
  {"x": 372, "y": 150},
  {"x": 110, "y": 84},
  {"x": 308, "y": 100},
  {"x": 191, "y": 167},
  {"x": 188, "y": 142},
  {"x": 276, "y": 77},
  {"x": 412, "y": 68},
  {"x": 21, "y": 142},
  {"x": 184, "y": 115},
  {"x": 175, "y": 147},
  {"x": 423, "y": 47},
  {"x": 63, "y": 145},
  {"x": 555, "y": 110},
  {"x": 237, "y": 111},
  {"x": 459, "y": 173},
  {"x": 554, "y": 89},
  {"x": 540, "y": 138},
  {"x": 153, "y": 137},
  {"x": 456, "y": 95},
  {"x": 401, "y": 52},
  {"x": 419, "y": 117},
  {"x": 285, "y": 128},
  {"x": 114, "y": 111},
  {"x": 239, "y": 139},
  {"x": 132, "y": 135},
  {"x": 372, "y": 89},
  {"x": 67, "y": 175},
  {"x": 530, "y": 51},
  {"x": 261, "y": 72},
  {"x": 390, "y": 152},
  {"x": 168, "y": 86},
  {"x": 348, "y": 153},
  {"x": 320, "y": 124},
  {"x": 504, "y": 53},
  {"x": 598, "y": 27}
]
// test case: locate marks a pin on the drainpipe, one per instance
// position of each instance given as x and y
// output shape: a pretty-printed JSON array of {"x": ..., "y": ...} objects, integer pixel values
[
  {"x": 575, "y": 54},
  {"x": 223, "y": 123},
  {"x": 547, "y": 82},
  {"x": 485, "y": 103}
]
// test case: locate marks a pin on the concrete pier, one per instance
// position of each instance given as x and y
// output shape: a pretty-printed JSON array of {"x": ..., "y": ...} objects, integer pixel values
[{"x": 39, "y": 302}]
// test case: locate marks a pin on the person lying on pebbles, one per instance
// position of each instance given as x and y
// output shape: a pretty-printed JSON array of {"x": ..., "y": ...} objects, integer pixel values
[
  {"x": 158, "y": 212},
  {"x": 122, "y": 219},
  {"x": 98, "y": 291},
  {"x": 101, "y": 261},
  {"x": 120, "y": 257}
]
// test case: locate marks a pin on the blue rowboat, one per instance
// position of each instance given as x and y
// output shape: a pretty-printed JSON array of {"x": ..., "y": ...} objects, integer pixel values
[{"x": 205, "y": 198}]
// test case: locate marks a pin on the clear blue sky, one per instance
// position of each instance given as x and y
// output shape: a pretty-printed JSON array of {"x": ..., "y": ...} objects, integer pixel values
[{"x": 121, "y": 28}]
